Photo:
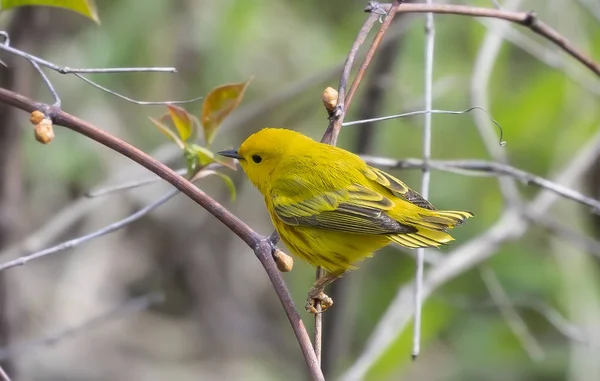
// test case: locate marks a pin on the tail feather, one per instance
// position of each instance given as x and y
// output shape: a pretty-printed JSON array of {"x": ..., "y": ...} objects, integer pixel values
[
  {"x": 422, "y": 238},
  {"x": 432, "y": 228},
  {"x": 440, "y": 220}
]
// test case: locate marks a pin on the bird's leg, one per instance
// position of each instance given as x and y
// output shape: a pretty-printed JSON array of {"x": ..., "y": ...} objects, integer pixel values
[{"x": 316, "y": 294}]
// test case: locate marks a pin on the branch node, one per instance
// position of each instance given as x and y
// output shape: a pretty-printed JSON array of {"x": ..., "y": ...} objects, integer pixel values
[{"x": 530, "y": 19}]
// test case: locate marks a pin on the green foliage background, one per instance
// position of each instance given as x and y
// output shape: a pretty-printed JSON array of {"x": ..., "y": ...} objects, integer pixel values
[{"x": 293, "y": 46}]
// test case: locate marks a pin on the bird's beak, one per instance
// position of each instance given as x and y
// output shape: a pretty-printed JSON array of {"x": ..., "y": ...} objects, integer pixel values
[{"x": 230, "y": 153}]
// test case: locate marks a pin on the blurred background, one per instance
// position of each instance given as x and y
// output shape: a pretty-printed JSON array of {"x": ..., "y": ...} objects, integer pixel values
[{"x": 219, "y": 318}]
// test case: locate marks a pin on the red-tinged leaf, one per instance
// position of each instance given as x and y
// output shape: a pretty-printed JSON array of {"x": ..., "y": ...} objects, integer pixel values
[
  {"x": 167, "y": 131},
  {"x": 227, "y": 162},
  {"x": 182, "y": 122},
  {"x": 228, "y": 182},
  {"x": 218, "y": 104},
  {"x": 84, "y": 7}
]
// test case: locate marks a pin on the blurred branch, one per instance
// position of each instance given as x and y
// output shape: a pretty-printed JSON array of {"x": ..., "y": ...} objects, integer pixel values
[
  {"x": 510, "y": 226},
  {"x": 138, "y": 304},
  {"x": 492, "y": 168},
  {"x": 88, "y": 237},
  {"x": 562, "y": 231},
  {"x": 426, "y": 174},
  {"x": 261, "y": 246},
  {"x": 3, "y": 375},
  {"x": 546, "y": 55},
  {"x": 566, "y": 328},
  {"x": 129, "y": 185},
  {"x": 479, "y": 90},
  {"x": 510, "y": 314},
  {"x": 526, "y": 19},
  {"x": 592, "y": 6}
]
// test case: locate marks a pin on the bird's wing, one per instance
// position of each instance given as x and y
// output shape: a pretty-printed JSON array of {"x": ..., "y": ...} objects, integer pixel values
[
  {"x": 355, "y": 209},
  {"x": 397, "y": 187}
]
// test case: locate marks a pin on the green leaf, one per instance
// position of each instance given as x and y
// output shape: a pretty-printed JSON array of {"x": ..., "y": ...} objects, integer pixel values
[
  {"x": 167, "y": 131},
  {"x": 182, "y": 121},
  {"x": 228, "y": 182},
  {"x": 204, "y": 155},
  {"x": 218, "y": 104},
  {"x": 84, "y": 7}
]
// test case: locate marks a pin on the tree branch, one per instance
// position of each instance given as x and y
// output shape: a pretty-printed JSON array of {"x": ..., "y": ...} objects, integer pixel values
[
  {"x": 526, "y": 19},
  {"x": 260, "y": 245}
]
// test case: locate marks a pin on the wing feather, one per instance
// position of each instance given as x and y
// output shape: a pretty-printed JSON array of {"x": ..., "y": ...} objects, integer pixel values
[
  {"x": 396, "y": 187},
  {"x": 355, "y": 209}
]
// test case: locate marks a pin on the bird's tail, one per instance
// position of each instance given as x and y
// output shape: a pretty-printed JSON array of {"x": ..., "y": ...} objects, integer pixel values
[{"x": 432, "y": 227}]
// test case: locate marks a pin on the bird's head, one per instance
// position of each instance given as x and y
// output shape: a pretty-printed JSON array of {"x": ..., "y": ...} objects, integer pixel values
[{"x": 262, "y": 151}]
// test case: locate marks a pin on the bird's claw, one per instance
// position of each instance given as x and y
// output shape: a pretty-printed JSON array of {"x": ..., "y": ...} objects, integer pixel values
[{"x": 317, "y": 296}]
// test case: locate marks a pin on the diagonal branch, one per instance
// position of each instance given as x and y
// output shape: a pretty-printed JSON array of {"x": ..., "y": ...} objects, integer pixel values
[
  {"x": 261, "y": 246},
  {"x": 526, "y": 19}
]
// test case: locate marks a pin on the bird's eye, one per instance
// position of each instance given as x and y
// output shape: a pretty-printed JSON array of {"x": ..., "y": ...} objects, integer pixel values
[{"x": 257, "y": 159}]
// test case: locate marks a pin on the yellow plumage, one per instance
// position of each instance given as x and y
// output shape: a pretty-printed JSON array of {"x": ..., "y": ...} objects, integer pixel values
[{"x": 332, "y": 209}]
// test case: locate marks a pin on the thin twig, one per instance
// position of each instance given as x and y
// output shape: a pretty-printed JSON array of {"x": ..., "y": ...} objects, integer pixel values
[
  {"x": 370, "y": 54},
  {"x": 492, "y": 168},
  {"x": 526, "y": 19},
  {"x": 55, "y": 95},
  {"x": 69, "y": 70},
  {"x": 360, "y": 39},
  {"x": 333, "y": 130},
  {"x": 427, "y": 112},
  {"x": 142, "y": 103},
  {"x": 429, "y": 50},
  {"x": 510, "y": 314},
  {"x": 260, "y": 245},
  {"x": 88, "y": 237},
  {"x": 36, "y": 61},
  {"x": 137, "y": 304}
]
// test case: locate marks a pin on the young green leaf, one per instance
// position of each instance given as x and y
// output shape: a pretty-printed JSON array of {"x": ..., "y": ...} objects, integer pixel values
[
  {"x": 228, "y": 182},
  {"x": 182, "y": 121},
  {"x": 218, "y": 104},
  {"x": 204, "y": 155},
  {"x": 167, "y": 131},
  {"x": 84, "y": 7}
]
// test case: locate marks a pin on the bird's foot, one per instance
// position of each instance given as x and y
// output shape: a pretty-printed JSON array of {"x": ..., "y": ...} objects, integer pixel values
[{"x": 315, "y": 296}]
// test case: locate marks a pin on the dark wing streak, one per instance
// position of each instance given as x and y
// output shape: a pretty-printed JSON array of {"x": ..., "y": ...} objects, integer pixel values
[
  {"x": 354, "y": 210},
  {"x": 397, "y": 187}
]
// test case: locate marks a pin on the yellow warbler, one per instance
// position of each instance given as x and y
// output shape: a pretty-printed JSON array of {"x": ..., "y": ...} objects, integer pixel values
[{"x": 333, "y": 210}]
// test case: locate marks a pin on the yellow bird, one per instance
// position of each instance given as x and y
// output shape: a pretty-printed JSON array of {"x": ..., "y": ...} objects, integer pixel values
[{"x": 333, "y": 210}]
